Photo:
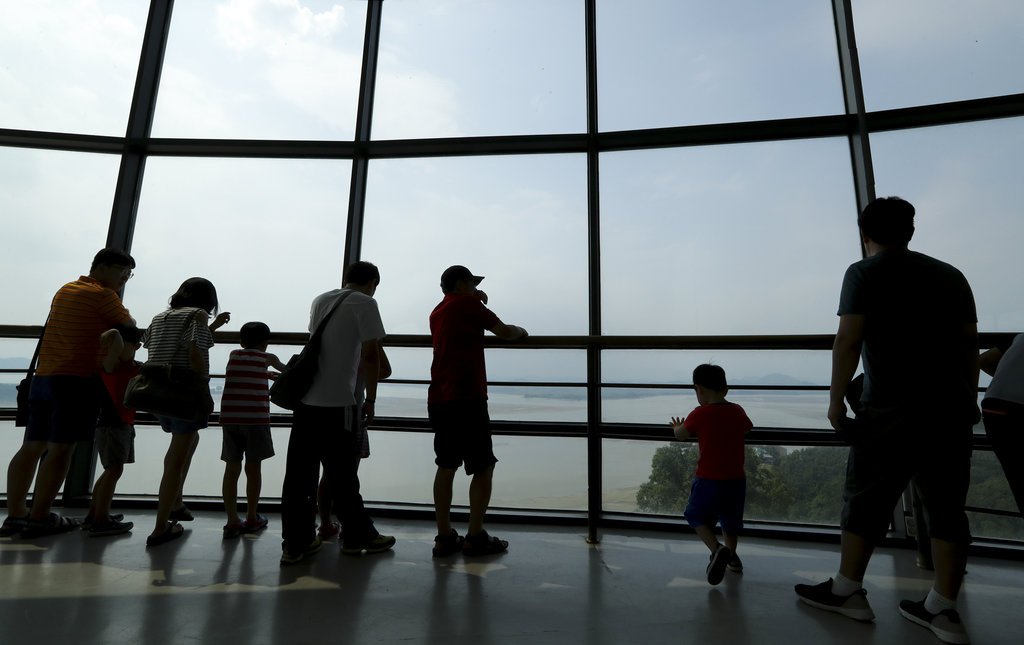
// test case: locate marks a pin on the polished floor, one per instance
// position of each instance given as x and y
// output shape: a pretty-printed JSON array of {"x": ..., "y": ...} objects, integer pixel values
[{"x": 551, "y": 587}]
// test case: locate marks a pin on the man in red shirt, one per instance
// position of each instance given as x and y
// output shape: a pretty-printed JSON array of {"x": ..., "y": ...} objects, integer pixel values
[{"x": 457, "y": 407}]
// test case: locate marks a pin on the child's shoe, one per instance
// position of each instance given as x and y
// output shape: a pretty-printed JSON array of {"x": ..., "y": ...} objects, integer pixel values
[{"x": 716, "y": 567}]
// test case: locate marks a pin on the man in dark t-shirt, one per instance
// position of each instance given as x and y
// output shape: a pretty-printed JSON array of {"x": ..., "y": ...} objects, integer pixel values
[
  {"x": 457, "y": 407},
  {"x": 911, "y": 319}
]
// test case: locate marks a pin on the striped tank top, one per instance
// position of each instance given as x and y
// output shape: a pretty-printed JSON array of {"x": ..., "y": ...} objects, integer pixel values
[{"x": 246, "y": 398}]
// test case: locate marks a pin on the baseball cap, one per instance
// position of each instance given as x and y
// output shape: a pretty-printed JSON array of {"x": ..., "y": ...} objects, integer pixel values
[{"x": 455, "y": 273}]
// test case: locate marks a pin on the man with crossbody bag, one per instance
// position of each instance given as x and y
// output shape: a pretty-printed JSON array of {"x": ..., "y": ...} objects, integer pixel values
[{"x": 325, "y": 421}]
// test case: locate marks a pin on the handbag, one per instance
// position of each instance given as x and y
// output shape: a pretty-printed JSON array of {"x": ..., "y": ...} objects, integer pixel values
[
  {"x": 297, "y": 377},
  {"x": 25, "y": 386},
  {"x": 170, "y": 390}
]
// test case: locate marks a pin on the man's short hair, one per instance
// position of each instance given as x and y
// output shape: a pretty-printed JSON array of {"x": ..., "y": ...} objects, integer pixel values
[
  {"x": 111, "y": 256},
  {"x": 361, "y": 272},
  {"x": 711, "y": 377},
  {"x": 888, "y": 221},
  {"x": 254, "y": 334}
]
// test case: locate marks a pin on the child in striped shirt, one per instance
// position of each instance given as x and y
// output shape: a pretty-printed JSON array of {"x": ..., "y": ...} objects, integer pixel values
[{"x": 245, "y": 418}]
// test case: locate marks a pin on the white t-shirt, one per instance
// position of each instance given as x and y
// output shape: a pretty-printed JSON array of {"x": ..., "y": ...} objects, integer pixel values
[
  {"x": 1008, "y": 381},
  {"x": 356, "y": 320}
]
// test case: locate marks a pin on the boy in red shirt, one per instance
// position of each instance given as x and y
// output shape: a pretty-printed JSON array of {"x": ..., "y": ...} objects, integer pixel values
[{"x": 720, "y": 485}]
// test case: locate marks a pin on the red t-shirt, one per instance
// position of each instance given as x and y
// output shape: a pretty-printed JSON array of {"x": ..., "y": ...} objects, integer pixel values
[
  {"x": 720, "y": 429},
  {"x": 457, "y": 328},
  {"x": 116, "y": 383}
]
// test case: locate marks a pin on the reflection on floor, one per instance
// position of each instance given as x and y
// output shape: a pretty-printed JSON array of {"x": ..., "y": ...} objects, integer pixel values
[{"x": 552, "y": 587}]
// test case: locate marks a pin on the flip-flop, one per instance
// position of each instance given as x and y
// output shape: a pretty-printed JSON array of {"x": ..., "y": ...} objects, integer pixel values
[
  {"x": 257, "y": 526},
  {"x": 172, "y": 532}
]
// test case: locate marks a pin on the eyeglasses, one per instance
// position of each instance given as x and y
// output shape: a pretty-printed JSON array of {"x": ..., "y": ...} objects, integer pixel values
[{"x": 127, "y": 273}]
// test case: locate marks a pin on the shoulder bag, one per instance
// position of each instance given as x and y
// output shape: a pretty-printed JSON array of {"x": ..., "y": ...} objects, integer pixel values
[
  {"x": 293, "y": 383},
  {"x": 25, "y": 386},
  {"x": 170, "y": 390}
]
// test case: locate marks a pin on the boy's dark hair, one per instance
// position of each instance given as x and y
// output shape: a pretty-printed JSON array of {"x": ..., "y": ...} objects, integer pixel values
[
  {"x": 254, "y": 335},
  {"x": 112, "y": 257},
  {"x": 888, "y": 221},
  {"x": 130, "y": 334},
  {"x": 361, "y": 272},
  {"x": 711, "y": 377},
  {"x": 196, "y": 292}
]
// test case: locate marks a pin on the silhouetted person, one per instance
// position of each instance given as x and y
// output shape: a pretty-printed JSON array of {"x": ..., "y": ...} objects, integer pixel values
[
  {"x": 719, "y": 487},
  {"x": 64, "y": 402},
  {"x": 1003, "y": 410},
  {"x": 457, "y": 407},
  {"x": 912, "y": 321}
]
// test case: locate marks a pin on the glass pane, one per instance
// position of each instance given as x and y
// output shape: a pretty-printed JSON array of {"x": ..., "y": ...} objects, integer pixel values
[
  {"x": 468, "y": 68},
  {"x": 742, "y": 367},
  {"x": 965, "y": 184},
  {"x": 54, "y": 214},
  {"x": 555, "y": 404},
  {"x": 668, "y": 63},
  {"x": 766, "y": 408},
  {"x": 269, "y": 234},
  {"x": 69, "y": 66},
  {"x": 740, "y": 239},
  {"x": 532, "y": 472},
  {"x": 262, "y": 69},
  {"x": 520, "y": 221},
  {"x": 917, "y": 52},
  {"x": 784, "y": 483}
]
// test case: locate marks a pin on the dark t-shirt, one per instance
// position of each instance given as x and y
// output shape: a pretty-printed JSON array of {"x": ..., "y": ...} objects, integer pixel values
[
  {"x": 457, "y": 328},
  {"x": 914, "y": 349}
]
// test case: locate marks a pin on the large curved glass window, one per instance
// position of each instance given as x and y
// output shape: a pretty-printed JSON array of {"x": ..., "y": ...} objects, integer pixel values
[
  {"x": 917, "y": 52},
  {"x": 668, "y": 63},
  {"x": 520, "y": 221},
  {"x": 262, "y": 70},
  {"x": 740, "y": 239},
  {"x": 69, "y": 66},
  {"x": 268, "y": 233},
  {"x": 470, "y": 68}
]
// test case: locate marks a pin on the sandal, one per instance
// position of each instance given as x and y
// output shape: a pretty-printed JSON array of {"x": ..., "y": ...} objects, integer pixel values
[
  {"x": 182, "y": 514},
  {"x": 446, "y": 545},
  {"x": 329, "y": 531},
  {"x": 53, "y": 525},
  {"x": 172, "y": 532},
  {"x": 13, "y": 526},
  {"x": 483, "y": 544},
  {"x": 89, "y": 521}
]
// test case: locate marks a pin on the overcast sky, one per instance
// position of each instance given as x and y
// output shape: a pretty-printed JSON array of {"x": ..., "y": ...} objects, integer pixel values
[{"x": 740, "y": 239}]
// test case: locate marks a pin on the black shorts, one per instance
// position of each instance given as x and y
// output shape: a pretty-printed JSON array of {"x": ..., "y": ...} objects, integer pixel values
[
  {"x": 462, "y": 434},
  {"x": 63, "y": 409},
  {"x": 936, "y": 452}
]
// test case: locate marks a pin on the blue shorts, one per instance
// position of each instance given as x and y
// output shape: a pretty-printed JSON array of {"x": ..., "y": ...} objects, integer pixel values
[
  {"x": 717, "y": 500},
  {"x": 63, "y": 409}
]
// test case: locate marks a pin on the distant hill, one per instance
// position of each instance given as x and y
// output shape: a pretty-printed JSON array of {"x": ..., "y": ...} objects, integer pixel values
[{"x": 775, "y": 378}]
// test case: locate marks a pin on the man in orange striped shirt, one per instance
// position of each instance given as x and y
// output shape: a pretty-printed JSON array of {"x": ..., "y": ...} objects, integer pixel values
[{"x": 64, "y": 400}]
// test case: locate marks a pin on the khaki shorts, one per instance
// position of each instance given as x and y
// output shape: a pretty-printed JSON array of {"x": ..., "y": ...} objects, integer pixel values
[{"x": 116, "y": 444}]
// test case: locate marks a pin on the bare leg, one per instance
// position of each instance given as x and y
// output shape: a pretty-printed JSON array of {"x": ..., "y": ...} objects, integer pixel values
[
  {"x": 253, "y": 486},
  {"x": 950, "y": 560},
  {"x": 443, "y": 481},
  {"x": 707, "y": 535},
  {"x": 170, "y": 484},
  {"x": 855, "y": 555},
  {"x": 229, "y": 490},
  {"x": 179, "y": 501},
  {"x": 479, "y": 499},
  {"x": 730, "y": 541},
  {"x": 103, "y": 494},
  {"x": 20, "y": 474},
  {"x": 52, "y": 471}
]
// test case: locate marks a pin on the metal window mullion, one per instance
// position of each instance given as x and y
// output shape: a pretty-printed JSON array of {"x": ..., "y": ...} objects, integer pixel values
[
  {"x": 364, "y": 121},
  {"x": 594, "y": 454}
]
